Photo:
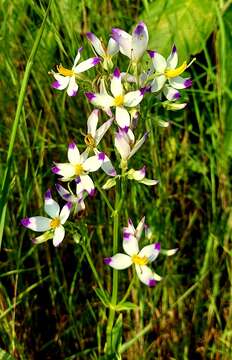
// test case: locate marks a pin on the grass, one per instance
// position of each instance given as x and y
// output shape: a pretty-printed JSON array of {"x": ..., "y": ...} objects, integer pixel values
[{"x": 49, "y": 307}]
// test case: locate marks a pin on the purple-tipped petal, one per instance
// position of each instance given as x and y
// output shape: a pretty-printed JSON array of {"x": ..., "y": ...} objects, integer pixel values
[
  {"x": 143, "y": 170},
  {"x": 107, "y": 261},
  {"x": 157, "y": 246},
  {"x": 78, "y": 180},
  {"x": 117, "y": 73},
  {"x": 72, "y": 145},
  {"x": 48, "y": 195},
  {"x": 55, "y": 169},
  {"x": 90, "y": 36},
  {"x": 69, "y": 205},
  {"x": 143, "y": 90},
  {"x": 176, "y": 96},
  {"x": 126, "y": 235},
  {"x": 90, "y": 96},
  {"x": 139, "y": 29},
  {"x": 92, "y": 193},
  {"x": 55, "y": 85},
  {"x": 25, "y": 222},
  {"x": 152, "y": 283},
  {"x": 96, "y": 60},
  {"x": 188, "y": 83},
  {"x": 113, "y": 172},
  {"x": 115, "y": 33},
  {"x": 151, "y": 53},
  {"x": 174, "y": 49},
  {"x": 80, "y": 49},
  {"x": 101, "y": 156}
]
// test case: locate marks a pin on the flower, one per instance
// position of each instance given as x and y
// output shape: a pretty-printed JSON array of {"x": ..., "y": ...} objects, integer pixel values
[
  {"x": 167, "y": 70},
  {"x": 139, "y": 175},
  {"x": 78, "y": 168},
  {"x": 66, "y": 79},
  {"x": 125, "y": 143},
  {"x": 52, "y": 226},
  {"x": 133, "y": 46},
  {"x": 119, "y": 100},
  {"x": 106, "y": 53},
  {"x": 140, "y": 259},
  {"x": 68, "y": 196},
  {"x": 93, "y": 138}
]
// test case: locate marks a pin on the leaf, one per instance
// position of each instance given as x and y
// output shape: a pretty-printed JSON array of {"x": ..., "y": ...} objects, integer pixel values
[
  {"x": 117, "y": 335},
  {"x": 127, "y": 305},
  {"x": 5, "y": 355},
  {"x": 187, "y": 23},
  {"x": 103, "y": 297}
]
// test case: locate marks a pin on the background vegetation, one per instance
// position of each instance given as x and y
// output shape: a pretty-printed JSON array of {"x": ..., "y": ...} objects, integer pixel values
[{"x": 48, "y": 305}]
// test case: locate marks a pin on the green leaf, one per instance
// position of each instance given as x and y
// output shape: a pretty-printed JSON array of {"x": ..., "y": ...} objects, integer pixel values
[
  {"x": 5, "y": 355},
  {"x": 187, "y": 23},
  {"x": 117, "y": 335},
  {"x": 103, "y": 297},
  {"x": 127, "y": 305}
]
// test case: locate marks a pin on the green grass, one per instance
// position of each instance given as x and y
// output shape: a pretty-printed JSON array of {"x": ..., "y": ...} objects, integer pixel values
[{"x": 48, "y": 305}]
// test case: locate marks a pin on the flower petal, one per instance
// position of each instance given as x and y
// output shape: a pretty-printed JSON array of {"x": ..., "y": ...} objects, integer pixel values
[
  {"x": 102, "y": 130},
  {"x": 87, "y": 64},
  {"x": 158, "y": 83},
  {"x": 130, "y": 243},
  {"x": 116, "y": 83},
  {"x": 119, "y": 261},
  {"x": 101, "y": 100},
  {"x": 72, "y": 87},
  {"x": 93, "y": 163},
  {"x": 73, "y": 154},
  {"x": 37, "y": 223},
  {"x": 171, "y": 93},
  {"x": 106, "y": 165},
  {"x": 133, "y": 98},
  {"x": 124, "y": 41},
  {"x": 65, "y": 212},
  {"x": 179, "y": 82},
  {"x": 112, "y": 48},
  {"x": 87, "y": 184},
  {"x": 146, "y": 275},
  {"x": 150, "y": 251},
  {"x": 172, "y": 60},
  {"x": 122, "y": 117},
  {"x": 58, "y": 235},
  {"x": 92, "y": 122},
  {"x": 51, "y": 207},
  {"x": 64, "y": 169},
  {"x": 139, "y": 229},
  {"x": 65, "y": 194},
  {"x": 138, "y": 145},
  {"x": 96, "y": 43},
  {"x": 159, "y": 62},
  {"x": 77, "y": 58},
  {"x": 139, "y": 41},
  {"x": 61, "y": 81},
  {"x": 122, "y": 144}
]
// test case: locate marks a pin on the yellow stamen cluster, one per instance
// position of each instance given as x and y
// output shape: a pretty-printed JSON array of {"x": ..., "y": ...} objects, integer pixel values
[
  {"x": 171, "y": 73},
  {"x": 118, "y": 100},
  {"x": 139, "y": 260},
  {"x": 55, "y": 223},
  {"x": 89, "y": 140},
  {"x": 78, "y": 168},
  {"x": 65, "y": 72}
]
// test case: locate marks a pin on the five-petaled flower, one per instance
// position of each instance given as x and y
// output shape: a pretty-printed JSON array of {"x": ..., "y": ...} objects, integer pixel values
[
  {"x": 66, "y": 78},
  {"x": 119, "y": 100},
  {"x": 106, "y": 53},
  {"x": 140, "y": 259},
  {"x": 167, "y": 70},
  {"x": 133, "y": 46},
  {"x": 52, "y": 226}
]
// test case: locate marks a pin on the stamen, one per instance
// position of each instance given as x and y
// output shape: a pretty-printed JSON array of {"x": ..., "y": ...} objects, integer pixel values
[
  {"x": 78, "y": 168},
  {"x": 139, "y": 260},
  {"x": 171, "y": 73},
  {"x": 89, "y": 140},
  {"x": 63, "y": 71},
  {"x": 54, "y": 223},
  {"x": 118, "y": 100}
]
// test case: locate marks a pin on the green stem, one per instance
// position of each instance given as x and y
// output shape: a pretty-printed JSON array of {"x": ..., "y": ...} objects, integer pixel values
[
  {"x": 6, "y": 175},
  {"x": 88, "y": 257}
]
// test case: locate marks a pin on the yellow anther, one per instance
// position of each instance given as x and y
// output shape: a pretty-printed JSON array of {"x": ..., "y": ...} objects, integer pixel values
[
  {"x": 89, "y": 140},
  {"x": 78, "y": 168},
  {"x": 118, "y": 100},
  {"x": 63, "y": 71},
  {"x": 55, "y": 223},
  {"x": 171, "y": 73},
  {"x": 139, "y": 260}
]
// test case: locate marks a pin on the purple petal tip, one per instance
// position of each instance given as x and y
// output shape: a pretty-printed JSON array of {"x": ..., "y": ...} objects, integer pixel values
[
  {"x": 117, "y": 73},
  {"x": 89, "y": 35},
  {"x": 101, "y": 156},
  {"x": 139, "y": 29},
  {"x": 157, "y": 246},
  {"x": 115, "y": 33},
  {"x": 174, "y": 49},
  {"x": 55, "y": 170},
  {"x": 90, "y": 96},
  {"x": 48, "y": 195},
  {"x": 107, "y": 261},
  {"x": 143, "y": 90},
  {"x": 151, "y": 53},
  {"x": 55, "y": 85},
  {"x": 92, "y": 192},
  {"x": 69, "y": 205},
  {"x": 78, "y": 180},
  {"x": 176, "y": 96},
  {"x": 72, "y": 145},
  {"x": 188, "y": 83},
  {"x": 80, "y": 49},
  {"x": 25, "y": 222},
  {"x": 96, "y": 60},
  {"x": 126, "y": 235},
  {"x": 152, "y": 283},
  {"x": 113, "y": 172}
]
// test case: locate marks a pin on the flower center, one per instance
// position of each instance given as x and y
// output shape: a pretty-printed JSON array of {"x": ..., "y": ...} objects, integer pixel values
[
  {"x": 171, "y": 73},
  {"x": 78, "y": 168},
  {"x": 54, "y": 223},
  {"x": 63, "y": 71},
  {"x": 89, "y": 140},
  {"x": 139, "y": 260},
  {"x": 118, "y": 100}
]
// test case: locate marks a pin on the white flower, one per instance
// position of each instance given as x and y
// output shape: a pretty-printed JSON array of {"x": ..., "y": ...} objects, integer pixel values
[
  {"x": 52, "y": 226},
  {"x": 167, "y": 70},
  {"x": 133, "y": 46},
  {"x": 78, "y": 168},
  {"x": 66, "y": 79},
  {"x": 140, "y": 259},
  {"x": 93, "y": 138},
  {"x": 139, "y": 175},
  {"x": 125, "y": 143},
  {"x": 119, "y": 100},
  {"x": 77, "y": 199},
  {"x": 106, "y": 53}
]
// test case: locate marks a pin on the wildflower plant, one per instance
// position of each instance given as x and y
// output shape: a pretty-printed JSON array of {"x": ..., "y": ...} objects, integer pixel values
[{"x": 118, "y": 94}]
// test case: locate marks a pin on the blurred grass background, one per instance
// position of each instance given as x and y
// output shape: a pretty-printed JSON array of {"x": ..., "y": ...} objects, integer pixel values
[{"x": 48, "y": 307}]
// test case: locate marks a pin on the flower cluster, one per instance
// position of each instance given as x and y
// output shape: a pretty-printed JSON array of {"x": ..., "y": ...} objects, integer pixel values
[{"x": 116, "y": 96}]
